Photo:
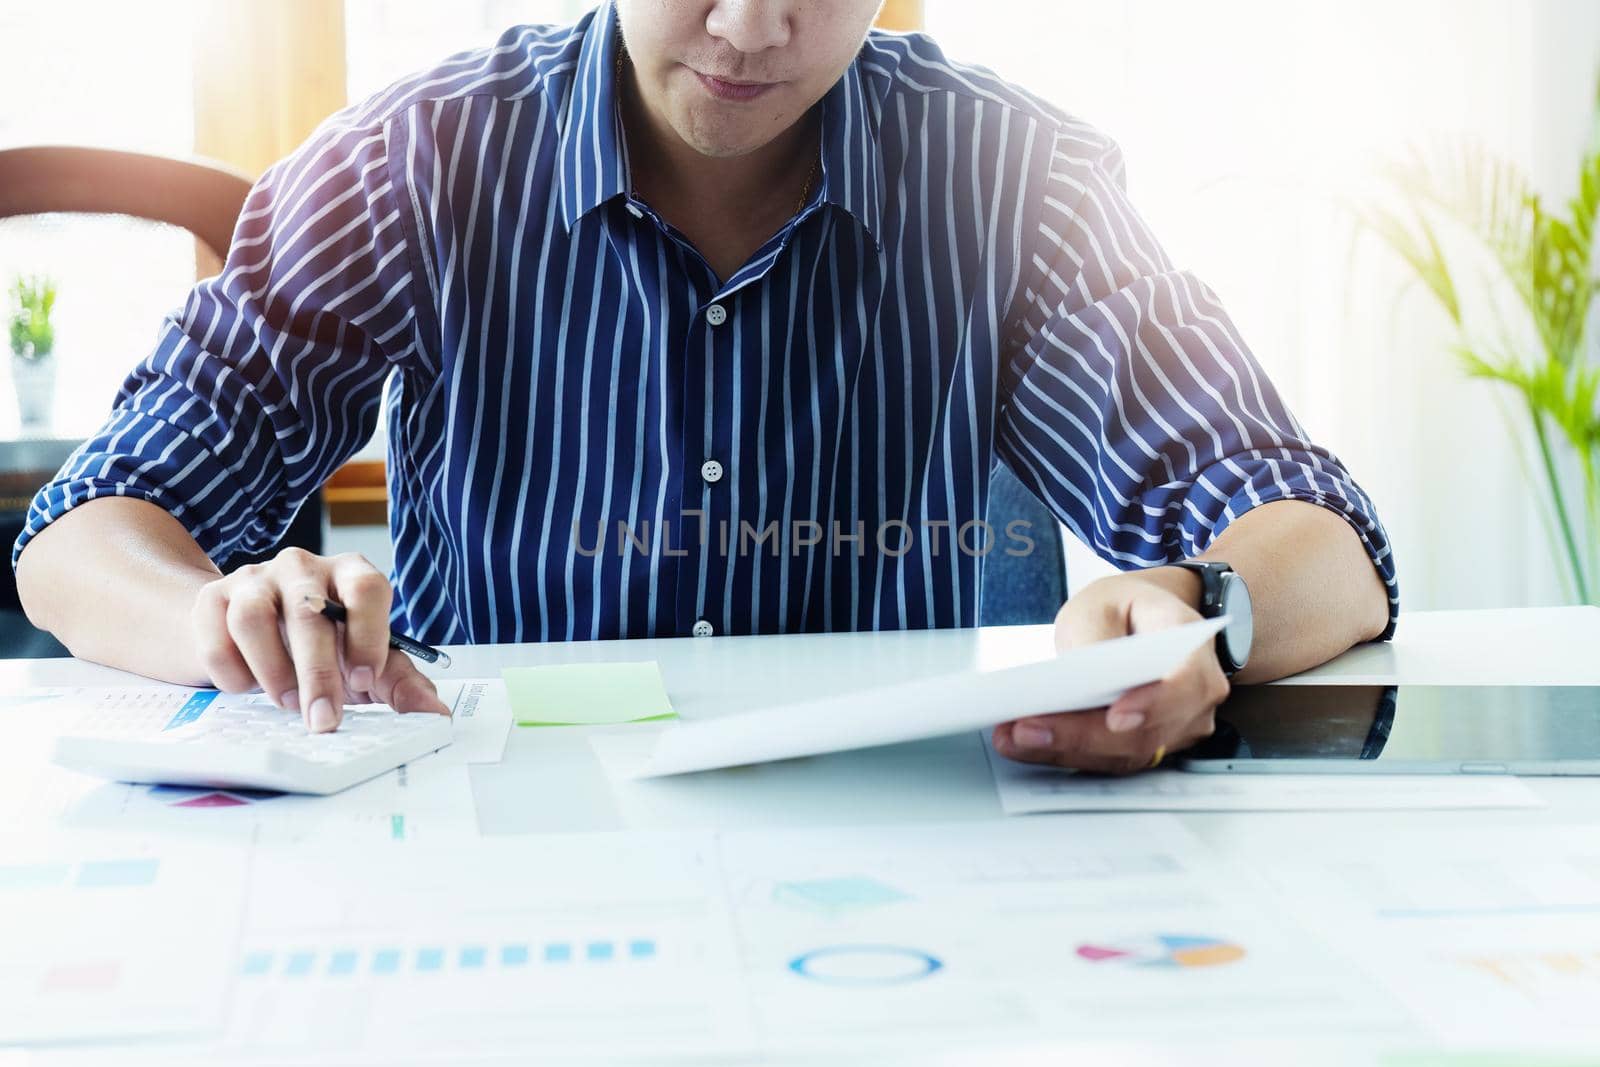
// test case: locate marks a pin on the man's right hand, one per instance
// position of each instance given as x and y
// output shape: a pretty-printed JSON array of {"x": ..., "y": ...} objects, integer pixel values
[{"x": 254, "y": 628}]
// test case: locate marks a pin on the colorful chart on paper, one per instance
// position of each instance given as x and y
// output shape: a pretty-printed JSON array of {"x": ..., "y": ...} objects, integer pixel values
[
  {"x": 184, "y": 797},
  {"x": 1164, "y": 950}
]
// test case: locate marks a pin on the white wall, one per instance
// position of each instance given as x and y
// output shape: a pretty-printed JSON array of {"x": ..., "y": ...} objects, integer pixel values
[{"x": 1245, "y": 123}]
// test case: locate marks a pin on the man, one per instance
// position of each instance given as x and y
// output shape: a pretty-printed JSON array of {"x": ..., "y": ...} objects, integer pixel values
[{"x": 686, "y": 268}]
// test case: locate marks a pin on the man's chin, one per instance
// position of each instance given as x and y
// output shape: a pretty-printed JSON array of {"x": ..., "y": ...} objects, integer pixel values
[
  {"x": 714, "y": 136},
  {"x": 722, "y": 151}
]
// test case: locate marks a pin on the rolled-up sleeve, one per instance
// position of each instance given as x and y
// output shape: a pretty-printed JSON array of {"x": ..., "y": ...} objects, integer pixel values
[
  {"x": 1130, "y": 403},
  {"x": 271, "y": 374}
]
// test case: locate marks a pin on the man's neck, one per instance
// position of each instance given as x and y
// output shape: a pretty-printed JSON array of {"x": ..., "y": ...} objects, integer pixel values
[{"x": 763, "y": 186}]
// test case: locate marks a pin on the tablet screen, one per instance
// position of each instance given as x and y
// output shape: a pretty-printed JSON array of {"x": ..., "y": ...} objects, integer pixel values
[{"x": 1409, "y": 725}]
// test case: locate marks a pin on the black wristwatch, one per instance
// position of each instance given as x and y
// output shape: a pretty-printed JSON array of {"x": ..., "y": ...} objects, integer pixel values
[{"x": 1222, "y": 592}]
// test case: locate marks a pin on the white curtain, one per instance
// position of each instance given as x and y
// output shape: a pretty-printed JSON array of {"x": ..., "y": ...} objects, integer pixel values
[{"x": 1248, "y": 126}]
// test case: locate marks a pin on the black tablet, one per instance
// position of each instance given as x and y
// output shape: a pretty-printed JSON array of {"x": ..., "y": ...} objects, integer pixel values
[{"x": 1411, "y": 729}]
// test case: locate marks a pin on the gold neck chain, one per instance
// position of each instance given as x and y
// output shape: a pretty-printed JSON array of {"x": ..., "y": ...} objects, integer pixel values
[
  {"x": 811, "y": 172},
  {"x": 805, "y": 190}
]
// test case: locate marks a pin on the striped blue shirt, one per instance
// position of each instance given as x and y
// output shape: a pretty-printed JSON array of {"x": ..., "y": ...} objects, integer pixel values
[{"x": 592, "y": 436}]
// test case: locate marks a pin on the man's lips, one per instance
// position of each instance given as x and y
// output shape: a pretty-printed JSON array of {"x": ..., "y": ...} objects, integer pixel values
[{"x": 733, "y": 90}]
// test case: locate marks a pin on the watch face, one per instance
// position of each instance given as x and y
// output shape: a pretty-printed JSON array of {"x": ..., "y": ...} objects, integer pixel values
[{"x": 1241, "y": 631}]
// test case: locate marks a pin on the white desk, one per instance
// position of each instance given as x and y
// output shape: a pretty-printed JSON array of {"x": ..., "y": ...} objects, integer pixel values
[{"x": 551, "y": 782}]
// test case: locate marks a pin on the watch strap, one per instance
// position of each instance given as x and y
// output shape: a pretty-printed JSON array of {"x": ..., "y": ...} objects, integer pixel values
[
  {"x": 1210, "y": 573},
  {"x": 1211, "y": 590}
]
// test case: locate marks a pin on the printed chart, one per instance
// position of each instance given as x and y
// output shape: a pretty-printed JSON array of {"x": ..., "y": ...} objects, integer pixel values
[
  {"x": 569, "y": 945},
  {"x": 387, "y": 960},
  {"x": 861, "y": 966},
  {"x": 108, "y": 937},
  {"x": 1164, "y": 950},
  {"x": 977, "y": 934},
  {"x": 1478, "y": 931},
  {"x": 174, "y": 796}
]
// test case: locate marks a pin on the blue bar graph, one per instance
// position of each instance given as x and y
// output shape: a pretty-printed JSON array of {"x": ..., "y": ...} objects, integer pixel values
[
  {"x": 33, "y": 875},
  {"x": 395, "y": 960},
  {"x": 117, "y": 874}
]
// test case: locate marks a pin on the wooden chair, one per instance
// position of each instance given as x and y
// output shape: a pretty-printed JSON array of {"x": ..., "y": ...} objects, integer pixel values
[{"x": 202, "y": 198}]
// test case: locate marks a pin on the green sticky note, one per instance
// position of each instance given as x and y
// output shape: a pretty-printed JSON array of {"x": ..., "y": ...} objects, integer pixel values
[{"x": 587, "y": 694}]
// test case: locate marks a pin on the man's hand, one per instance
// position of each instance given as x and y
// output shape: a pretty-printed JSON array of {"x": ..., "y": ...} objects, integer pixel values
[
  {"x": 1143, "y": 723},
  {"x": 254, "y": 628}
]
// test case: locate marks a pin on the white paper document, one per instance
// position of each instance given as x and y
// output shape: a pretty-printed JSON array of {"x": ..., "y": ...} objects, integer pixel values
[
  {"x": 1488, "y": 934},
  {"x": 115, "y": 936},
  {"x": 529, "y": 949},
  {"x": 975, "y": 934},
  {"x": 1087, "y": 677},
  {"x": 834, "y": 942},
  {"x": 481, "y": 715},
  {"x": 1026, "y": 789}
]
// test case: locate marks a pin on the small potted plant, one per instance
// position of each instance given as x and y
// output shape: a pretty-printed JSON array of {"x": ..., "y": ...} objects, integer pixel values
[{"x": 33, "y": 340}]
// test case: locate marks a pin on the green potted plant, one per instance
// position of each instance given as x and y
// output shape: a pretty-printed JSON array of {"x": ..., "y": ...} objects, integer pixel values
[
  {"x": 1521, "y": 295},
  {"x": 33, "y": 341}
]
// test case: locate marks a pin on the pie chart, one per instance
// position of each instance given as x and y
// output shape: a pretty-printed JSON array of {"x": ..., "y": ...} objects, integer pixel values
[{"x": 1164, "y": 950}]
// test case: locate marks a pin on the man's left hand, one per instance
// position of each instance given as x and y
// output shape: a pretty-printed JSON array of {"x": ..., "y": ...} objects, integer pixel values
[{"x": 1143, "y": 724}]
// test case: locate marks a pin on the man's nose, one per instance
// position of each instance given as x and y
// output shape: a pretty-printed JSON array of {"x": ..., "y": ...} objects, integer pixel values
[{"x": 751, "y": 26}]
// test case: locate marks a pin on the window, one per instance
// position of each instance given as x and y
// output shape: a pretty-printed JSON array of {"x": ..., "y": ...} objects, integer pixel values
[
  {"x": 108, "y": 75},
  {"x": 88, "y": 72},
  {"x": 1252, "y": 129},
  {"x": 389, "y": 39}
]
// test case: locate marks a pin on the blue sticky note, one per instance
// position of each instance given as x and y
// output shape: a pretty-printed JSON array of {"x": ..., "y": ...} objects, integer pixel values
[
  {"x": 300, "y": 964},
  {"x": 342, "y": 962},
  {"x": 513, "y": 955},
  {"x": 430, "y": 959},
  {"x": 386, "y": 961},
  {"x": 600, "y": 951},
  {"x": 642, "y": 949},
  {"x": 256, "y": 964},
  {"x": 557, "y": 953},
  {"x": 473, "y": 956}
]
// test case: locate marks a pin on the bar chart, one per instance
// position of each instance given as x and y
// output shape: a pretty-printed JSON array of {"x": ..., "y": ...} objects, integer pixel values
[{"x": 395, "y": 960}]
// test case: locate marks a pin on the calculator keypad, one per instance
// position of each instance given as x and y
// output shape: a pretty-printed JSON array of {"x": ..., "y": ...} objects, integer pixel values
[{"x": 257, "y": 723}]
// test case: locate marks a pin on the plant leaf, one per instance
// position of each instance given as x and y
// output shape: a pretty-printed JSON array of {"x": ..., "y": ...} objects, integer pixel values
[{"x": 1422, "y": 254}]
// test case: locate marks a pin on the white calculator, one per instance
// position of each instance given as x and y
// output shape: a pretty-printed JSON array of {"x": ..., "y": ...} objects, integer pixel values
[{"x": 220, "y": 741}]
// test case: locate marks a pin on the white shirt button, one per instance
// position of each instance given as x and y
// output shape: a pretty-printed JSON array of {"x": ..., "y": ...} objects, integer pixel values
[
  {"x": 711, "y": 471},
  {"x": 704, "y": 629},
  {"x": 716, "y": 314}
]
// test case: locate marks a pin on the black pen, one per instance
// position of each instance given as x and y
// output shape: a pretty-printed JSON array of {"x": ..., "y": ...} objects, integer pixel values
[{"x": 426, "y": 653}]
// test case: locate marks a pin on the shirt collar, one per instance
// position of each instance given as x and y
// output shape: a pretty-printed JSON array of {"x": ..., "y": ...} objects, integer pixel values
[
  {"x": 852, "y": 164},
  {"x": 592, "y": 151}
]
